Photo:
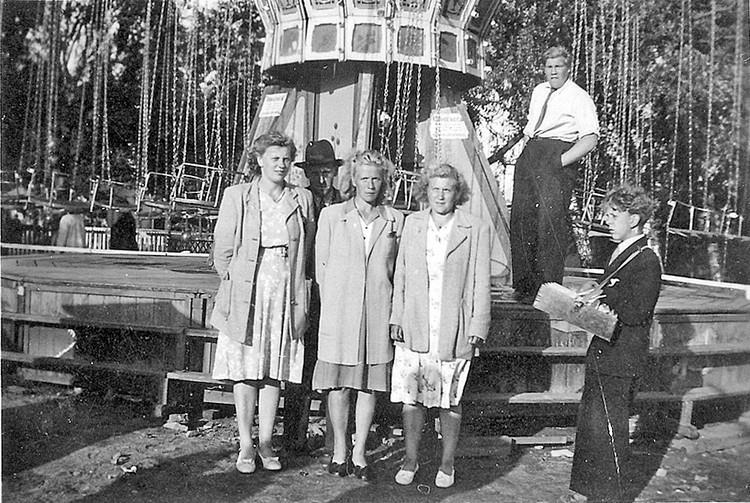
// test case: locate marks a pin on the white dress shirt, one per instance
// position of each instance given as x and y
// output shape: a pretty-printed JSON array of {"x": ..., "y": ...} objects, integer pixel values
[
  {"x": 623, "y": 246},
  {"x": 570, "y": 114}
]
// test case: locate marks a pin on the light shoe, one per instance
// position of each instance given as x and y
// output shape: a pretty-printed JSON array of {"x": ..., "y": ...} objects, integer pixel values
[
  {"x": 406, "y": 477},
  {"x": 444, "y": 480},
  {"x": 245, "y": 465},
  {"x": 270, "y": 463}
]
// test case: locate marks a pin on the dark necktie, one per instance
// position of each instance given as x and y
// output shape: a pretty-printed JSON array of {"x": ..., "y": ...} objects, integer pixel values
[{"x": 543, "y": 112}]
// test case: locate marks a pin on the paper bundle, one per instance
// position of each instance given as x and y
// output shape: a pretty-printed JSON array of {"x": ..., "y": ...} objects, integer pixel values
[{"x": 563, "y": 303}]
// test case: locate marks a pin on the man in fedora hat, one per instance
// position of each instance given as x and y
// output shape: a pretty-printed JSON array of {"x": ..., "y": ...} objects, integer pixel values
[{"x": 321, "y": 167}]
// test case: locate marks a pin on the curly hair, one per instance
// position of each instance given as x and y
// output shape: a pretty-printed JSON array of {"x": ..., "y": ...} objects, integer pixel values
[
  {"x": 556, "y": 51},
  {"x": 632, "y": 199},
  {"x": 348, "y": 171},
  {"x": 442, "y": 171},
  {"x": 273, "y": 139}
]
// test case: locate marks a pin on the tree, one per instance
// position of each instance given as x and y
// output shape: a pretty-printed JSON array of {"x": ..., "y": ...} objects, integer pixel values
[{"x": 647, "y": 65}]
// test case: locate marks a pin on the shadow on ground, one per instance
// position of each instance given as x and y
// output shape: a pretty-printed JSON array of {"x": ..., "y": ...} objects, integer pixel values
[
  {"x": 198, "y": 477},
  {"x": 42, "y": 431}
]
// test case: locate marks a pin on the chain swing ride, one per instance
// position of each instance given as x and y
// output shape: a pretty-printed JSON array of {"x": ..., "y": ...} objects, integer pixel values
[
  {"x": 401, "y": 66},
  {"x": 607, "y": 55}
]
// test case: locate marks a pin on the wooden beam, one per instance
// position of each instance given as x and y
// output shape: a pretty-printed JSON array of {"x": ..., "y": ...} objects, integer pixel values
[{"x": 46, "y": 376}]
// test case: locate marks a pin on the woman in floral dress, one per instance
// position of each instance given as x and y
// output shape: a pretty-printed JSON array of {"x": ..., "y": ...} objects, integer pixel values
[
  {"x": 261, "y": 306},
  {"x": 441, "y": 311}
]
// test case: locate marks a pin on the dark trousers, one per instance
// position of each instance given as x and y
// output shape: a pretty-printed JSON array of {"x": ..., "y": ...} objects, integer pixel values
[
  {"x": 297, "y": 397},
  {"x": 600, "y": 459},
  {"x": 539, "y": 223}
]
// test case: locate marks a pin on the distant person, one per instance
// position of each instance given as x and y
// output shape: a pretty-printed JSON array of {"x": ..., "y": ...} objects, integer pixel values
[
  {"x": 355, "y": 254},
  {"x": 321, "y": 168},
  {"x": 631, "y": 283},
  {"x": 562, "y": 128},
  {"x": 12, "y": 226},
  {"x": 71, "y": 231},
  {"x": 122, "y": 234},
  {"x": 262, "y": 236},
  {"x": 441, "y": 312}
]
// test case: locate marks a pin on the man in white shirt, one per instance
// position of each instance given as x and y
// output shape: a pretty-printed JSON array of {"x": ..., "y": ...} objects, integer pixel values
[
  {"x": 562, "y": 128},
  {"x": 72, "y": 231}
]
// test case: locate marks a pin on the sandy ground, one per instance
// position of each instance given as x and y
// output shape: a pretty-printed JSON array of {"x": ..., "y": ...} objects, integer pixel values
[{"x": 61, "y": 446}]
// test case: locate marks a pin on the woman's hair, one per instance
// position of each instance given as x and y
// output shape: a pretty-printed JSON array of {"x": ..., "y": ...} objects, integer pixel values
[
  {"x": 442, "y": 171},
  {"x": 556, "y": 52},
  {"x": 632, "y": 199},
  {"x": 348, "y": 171},
  {"x": 273, "y": 139}
]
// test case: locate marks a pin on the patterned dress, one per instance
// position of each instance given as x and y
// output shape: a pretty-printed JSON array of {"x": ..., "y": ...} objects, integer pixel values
[
  {"x": 423, "y": 377},
  {"x": 274, "y": 354}
]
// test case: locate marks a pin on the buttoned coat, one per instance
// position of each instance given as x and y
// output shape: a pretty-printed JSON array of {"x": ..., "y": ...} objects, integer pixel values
[
  {"x": 612, "y": 371},
  {"x": 355, "y": 283},
  {"x": 632, "y": 294},
  {"x": 465, "y": 304},
  {"x": 237, "y": 250}
]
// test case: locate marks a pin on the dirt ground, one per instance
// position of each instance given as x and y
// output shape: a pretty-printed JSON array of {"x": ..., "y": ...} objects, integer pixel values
[{"x": 63, "y": 445}]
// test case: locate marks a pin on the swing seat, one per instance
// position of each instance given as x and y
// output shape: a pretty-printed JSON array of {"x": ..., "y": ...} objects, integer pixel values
[
  {"x": 200, "y": 186},
  {"x": 403, "y": 189},
  {"x": 197, "y": 185},
  {"x": 150, "y": 193},
  {"x": 111, "y": 194}
]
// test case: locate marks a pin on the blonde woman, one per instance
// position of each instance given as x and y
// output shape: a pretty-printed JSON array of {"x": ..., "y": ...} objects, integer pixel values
[
  {"x": 355, "y": 253},
  {"x": 261, "y": 306},
  {"x": 441, "y": 311}
]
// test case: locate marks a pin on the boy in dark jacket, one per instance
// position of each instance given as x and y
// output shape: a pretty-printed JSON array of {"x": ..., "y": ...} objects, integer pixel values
[{"x": 630, "y": 290}]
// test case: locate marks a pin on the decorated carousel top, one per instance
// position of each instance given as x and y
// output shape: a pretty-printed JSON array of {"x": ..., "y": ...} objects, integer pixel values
[{"x": 426, "y": 32}]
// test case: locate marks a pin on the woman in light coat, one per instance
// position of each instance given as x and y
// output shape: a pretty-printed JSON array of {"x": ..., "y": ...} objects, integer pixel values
[
  {"x": 261, "y": 306},
  {"x": 441, "y": 311},
  {"x": 355, "y": 252}
]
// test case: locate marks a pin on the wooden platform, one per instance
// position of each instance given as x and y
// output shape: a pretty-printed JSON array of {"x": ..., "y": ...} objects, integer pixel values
[{"x": 700, "y": 341}]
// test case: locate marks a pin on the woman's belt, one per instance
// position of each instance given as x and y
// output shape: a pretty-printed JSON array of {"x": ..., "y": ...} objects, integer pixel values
[{"x": 282, "y": 250}]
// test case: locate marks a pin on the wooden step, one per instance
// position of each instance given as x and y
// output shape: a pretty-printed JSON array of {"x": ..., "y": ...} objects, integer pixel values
[
  {"x": 692, "y": 394},
  {"x": 69, "y": 321},
  {"x": 227, "y": 398},
  {"x": 564, "y": 351},
  {"x": 196, "y": 377},
  {"x": 210, "y": 334},
  {"x": 52, "y": 363}
]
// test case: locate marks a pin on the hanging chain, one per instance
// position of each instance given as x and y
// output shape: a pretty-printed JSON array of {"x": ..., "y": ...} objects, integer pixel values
[
  {"x": 711, "y": 62},
  {"x": 436, "y": 114},
  {"x": 638, "y": 101},
  {"x": 417, "y": 115},
  {"x": 145, "y": 85},
  {"x": 175, "y": 112},
  {"x": 99, "y": 42},
  {"x": 382, "y": 118},
  {"x": 737, "y": 110},
  {"x": 106, "y": 166},
  {"x": 652, "y": 176},
  {"x": 677, "y": 102},
  {"x": 689, "y": 17}
]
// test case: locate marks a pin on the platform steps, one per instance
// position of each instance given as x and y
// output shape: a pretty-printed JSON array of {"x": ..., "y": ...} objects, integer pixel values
[
  {"x": 534, "y": 365},
  {"x": 541, "y": 379}
]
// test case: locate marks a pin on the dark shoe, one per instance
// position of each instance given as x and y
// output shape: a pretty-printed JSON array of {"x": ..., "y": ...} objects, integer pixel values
[
  {"x": 347, "y": 468},
  {"x": 363, "y": 472},
  {"x": 336, "y": 468},
  {"x": 342, "y": 469}
]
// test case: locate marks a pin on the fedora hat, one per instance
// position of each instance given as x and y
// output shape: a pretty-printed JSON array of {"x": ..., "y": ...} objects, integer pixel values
[{"x": 319, "y": 152}]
